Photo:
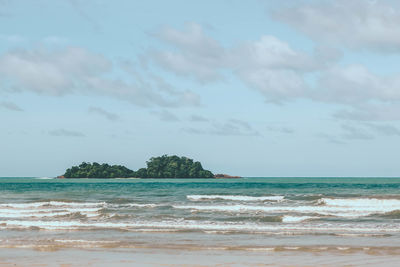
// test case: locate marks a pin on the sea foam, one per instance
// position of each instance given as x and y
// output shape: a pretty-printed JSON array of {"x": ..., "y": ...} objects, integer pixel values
[{"x": 234, "y": 198}]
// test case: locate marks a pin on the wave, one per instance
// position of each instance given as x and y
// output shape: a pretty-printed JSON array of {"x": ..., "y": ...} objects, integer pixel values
[
  {"x": 30, "y": 205},
  {"x": 175, "y": 225},
  {"x": 336, "y": 207},
  {"x": 392, "y": 214},
  {"x": 50, "y": 209},
  {"x": 325, "y": 210},
  {"x": 234, "y": 198},
  {"x": 259, "y": 219},
  {"x": 62, "y": 204},
  {"x": 137, "y": 205},
  {"x": 361, "y": 202},
  {"x": 296, "y": 219},
  {"x": 40, "y": 213},
  {"x": 71, "y": 210}
]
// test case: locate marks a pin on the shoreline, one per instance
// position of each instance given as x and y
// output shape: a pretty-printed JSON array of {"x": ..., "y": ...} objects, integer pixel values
[{"x": 177, "y": 257}]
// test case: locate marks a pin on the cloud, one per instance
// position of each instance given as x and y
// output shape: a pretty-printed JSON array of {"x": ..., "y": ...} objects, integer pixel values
[
  {"x": 355, "y": 133},
  {"x": 284, "y": 130},
  {"x": 198, "y": 55},
  {"x": 360, "y": 131},
  {"x": 331, "y": 138},
  {"x": 108, "y": 115},
  {"x": 369, "y": 97},
  {"x": 10, "y": 106},
  {"x": 354, "y": 24},
  {"x": 197, "y": 118},
  {"x": 231, "y": 127},
  {"x": 51, "y": 72},
  {"x": 154, "y": 89},
  {"x": 371, "y": 112},
  {"x": 276, "y": 70},
  {"x": 276, "y": 85},
  {"x": 165, "y": 115},
  {"x": 64, "y": 132},
  {"x": 74, "y": 70},
  {"x": 269, "y": 65},
  {"x": 384, "y": 129},
  {"x": 354, "y": 84}
]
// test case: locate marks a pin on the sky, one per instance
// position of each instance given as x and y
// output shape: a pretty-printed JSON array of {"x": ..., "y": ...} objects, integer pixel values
[{"x": 250, "y": 88}]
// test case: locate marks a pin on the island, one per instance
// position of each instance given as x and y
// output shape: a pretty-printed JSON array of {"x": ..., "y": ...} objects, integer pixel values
[{"x": 157, "y": 167}]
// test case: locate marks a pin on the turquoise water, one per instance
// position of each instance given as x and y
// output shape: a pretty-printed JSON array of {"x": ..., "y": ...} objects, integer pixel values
[{"x": 226, "y": 213}]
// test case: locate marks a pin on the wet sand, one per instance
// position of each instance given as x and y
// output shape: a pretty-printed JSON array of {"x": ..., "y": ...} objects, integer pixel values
[{"x": 192, "y": 258}]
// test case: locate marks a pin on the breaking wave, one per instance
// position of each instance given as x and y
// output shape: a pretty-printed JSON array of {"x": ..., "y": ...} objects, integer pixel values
[{"x": 234, "y": 198}]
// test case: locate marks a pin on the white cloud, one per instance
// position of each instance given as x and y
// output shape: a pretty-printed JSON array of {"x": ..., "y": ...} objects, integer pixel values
[
  {"x": 269, "y": 65},
  {"x": 275, "y": 85},
  {"x": 276, "y": 70},
  {"x": 75, "y": 70},
  {"x": 192, "y": 40},
  {"x": 355, "y": 24},
  {"x": 198, "y": 54},
  {"x": 51, "y": 72},
  {"x": 269, "y": 52},
  {"x": 354, "y": 84}
]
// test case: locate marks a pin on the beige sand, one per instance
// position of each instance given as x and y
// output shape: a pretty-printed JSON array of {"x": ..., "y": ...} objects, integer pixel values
[{"x": 190, "y": 258}]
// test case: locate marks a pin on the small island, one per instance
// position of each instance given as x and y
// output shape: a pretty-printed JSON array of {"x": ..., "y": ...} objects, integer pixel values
[{"x": 157, "y": 167}]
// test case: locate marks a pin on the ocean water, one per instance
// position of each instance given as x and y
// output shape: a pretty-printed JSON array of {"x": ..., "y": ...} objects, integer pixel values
[{"x": 329, "y": 215}]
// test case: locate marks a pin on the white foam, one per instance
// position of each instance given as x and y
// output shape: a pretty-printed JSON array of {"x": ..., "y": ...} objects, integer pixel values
[
  {"x": 151, "y": 205},
  {"x": 18, "y": 213},
  {"x": 306, "y": 228},
  {"x": 84, "y": 241},
  {"x": 326, "y": 210},
  {"x": 234, "y": 198},
  {"x": 291, "y": 248},
  {"x": 51, "y": 203},
  {"x": 361, "y": 202}
]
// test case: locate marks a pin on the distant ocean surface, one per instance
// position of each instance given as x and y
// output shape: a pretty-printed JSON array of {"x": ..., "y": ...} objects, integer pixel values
[{"x": 338, "y": 215}]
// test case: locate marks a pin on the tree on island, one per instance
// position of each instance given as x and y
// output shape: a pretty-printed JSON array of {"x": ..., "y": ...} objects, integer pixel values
[
  {"x": 173, "y": 167},
  {"x": 157, "y": 167},
  {"x": 96, "y": 170}
]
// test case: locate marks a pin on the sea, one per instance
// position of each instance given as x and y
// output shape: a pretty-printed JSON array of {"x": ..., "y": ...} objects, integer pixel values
[{"x": 309, "y": 216}]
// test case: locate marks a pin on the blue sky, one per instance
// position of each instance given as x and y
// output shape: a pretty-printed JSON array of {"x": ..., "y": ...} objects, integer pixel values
[{"x": 252, "y": 88}]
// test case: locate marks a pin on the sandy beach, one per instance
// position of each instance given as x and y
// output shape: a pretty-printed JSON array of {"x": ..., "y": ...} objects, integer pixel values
[{"x": 193, "y": 258}]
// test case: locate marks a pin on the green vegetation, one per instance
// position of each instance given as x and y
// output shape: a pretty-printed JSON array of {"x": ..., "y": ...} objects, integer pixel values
[
  {"x": 96, "y": 170},
  {"x": 173, "y": 167},
  {"x": 157, "y": 167}
]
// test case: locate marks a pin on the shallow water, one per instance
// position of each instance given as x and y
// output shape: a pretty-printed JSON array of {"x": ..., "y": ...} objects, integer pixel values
[{"x": 279, "y": 215}]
